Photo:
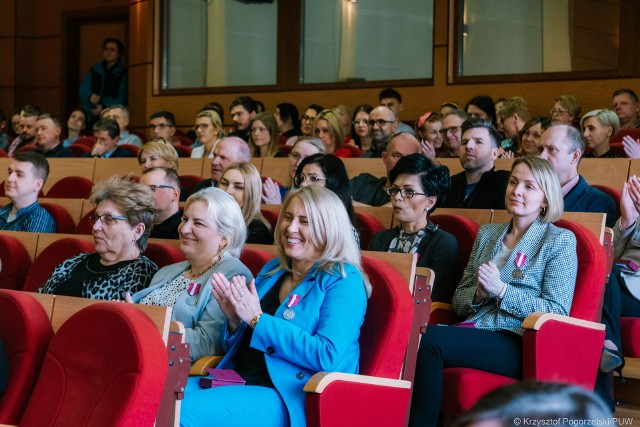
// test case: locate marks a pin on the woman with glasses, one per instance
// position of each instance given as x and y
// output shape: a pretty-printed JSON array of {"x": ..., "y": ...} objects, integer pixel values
[
  {"x": 212, "y": 234},
  {"x": 360, "y": 133},
  {"x": 513, "y": 115},
  {"x": 306, "y": 122},
  {"x": 242, "y": 181},
  {"x": 531, "y": 133},
  {"x": 417, "y": 186},
  {"x": 122, "y": 222},
  {"x": 263, "y": 136},
  {"x": 209, "y": 131},
  {"x": 305, "y": 146},
  {"x": 565, "y": 109},
  {"x": 158, "y": 153},
  {"x": 598, "y": 127}
]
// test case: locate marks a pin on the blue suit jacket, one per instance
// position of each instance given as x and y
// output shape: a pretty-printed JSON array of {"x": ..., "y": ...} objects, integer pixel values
[
  {"x": 585, "y": 198},
  {"x": 323, "y": 335},
  {"x": 546, "y": 286}
]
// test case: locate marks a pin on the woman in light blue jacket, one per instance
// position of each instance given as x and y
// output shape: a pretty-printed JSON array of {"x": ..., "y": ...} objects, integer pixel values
[{"x": 302, "y": 316}]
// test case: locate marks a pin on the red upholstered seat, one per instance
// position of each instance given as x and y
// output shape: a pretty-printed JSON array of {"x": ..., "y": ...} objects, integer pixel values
[
  {"x": 613, "y": 193},
  {"x": 163, "y": 254},
  {"x": 84, "y": 226},
  {"x": 25, "y": 330},
  {"x": 50, "y": 258},
  {"x": 64, "y": 222},
  {"x": 183, "y": 150},
  {"x": 106, "y": 365},
  {"x": 255, "y": 259},
  {"x": 189, "y": 182},
  {"x": 184, "y": 140},
  {"x": 383, "y": 343},
  {"x": 79, "y": 150},
  {"x": 617, "y": 138},
  {"x": 15, "y": 263},
  {"x": 71, "y": 187},
  {"x": 133, "y": 149},
  {"x": 87, "y": 141},
  {"x": 369, "y": 225},
  {"x": 630, "y": 329},
  {"x": 555, "y": 351},
  {"x": 271, "y": 216},
  {"x": 3, "y": 153}
]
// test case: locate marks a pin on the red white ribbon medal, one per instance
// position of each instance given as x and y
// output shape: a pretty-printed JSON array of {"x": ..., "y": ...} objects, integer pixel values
[
  {"x": 521, "y": 259},
  {"x": 192, "y": 290},
  {"x": 292, "y": 301}
]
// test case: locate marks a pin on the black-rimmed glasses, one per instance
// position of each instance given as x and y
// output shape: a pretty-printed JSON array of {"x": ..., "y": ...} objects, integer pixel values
[
  {"x": 107, "y": 219},
  {"x": 405, "y": 193}
]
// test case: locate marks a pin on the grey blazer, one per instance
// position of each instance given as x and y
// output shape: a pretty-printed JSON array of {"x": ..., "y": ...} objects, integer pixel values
[{"x": 202, "y": 321}]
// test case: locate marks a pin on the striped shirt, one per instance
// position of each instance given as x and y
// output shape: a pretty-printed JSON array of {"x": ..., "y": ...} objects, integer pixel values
[{"x": 32, "y": 218}]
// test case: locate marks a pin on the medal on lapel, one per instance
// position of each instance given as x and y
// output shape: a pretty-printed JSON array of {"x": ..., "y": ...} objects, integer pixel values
[
  {"x": 193, "y": 290},
  {"x": 521, "y": 259},
  {"x": 292, "y": 301}
]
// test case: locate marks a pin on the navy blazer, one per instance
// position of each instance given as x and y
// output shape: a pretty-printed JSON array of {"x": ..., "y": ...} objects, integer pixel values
[
  {"x": 546, "y": 286},
  {"x": 323, "y": 335},
  {"x": 585, "y": 198}
]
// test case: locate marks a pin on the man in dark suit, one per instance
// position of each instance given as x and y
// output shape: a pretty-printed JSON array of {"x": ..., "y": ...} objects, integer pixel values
[
  {"x": 107, "y": 135},
  {"x": 48, "y": 130}
]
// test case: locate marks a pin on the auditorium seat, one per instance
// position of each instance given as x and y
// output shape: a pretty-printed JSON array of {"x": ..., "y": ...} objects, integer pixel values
[
  {"x": 189, "y": 182},
  {"x": 255, "y": 259},
  {"x": 87, "y": 141},
  {"x": 464, "y": 230},
  {"x": 184, "y": 140},
  {"x": 14, "y": 262},
  {"x": 80, "y": 150},
  {"x": 163, "y": 254},
  {"x": 369, "y": 225},
  {"x": 84, "y": 226},
  {"x": 71, "y": 187},
  {"x": 183, "y": 150},
  {"x": 614, "y": 193},
  {"x": 63, "y": 219},
  {"x": 133, "y": 149}
]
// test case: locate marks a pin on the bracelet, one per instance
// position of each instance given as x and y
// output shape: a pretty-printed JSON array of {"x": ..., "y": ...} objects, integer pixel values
[{"x": 255, "y": 321}]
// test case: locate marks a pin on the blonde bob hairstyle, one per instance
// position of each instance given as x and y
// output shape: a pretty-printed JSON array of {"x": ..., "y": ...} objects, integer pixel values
[
  {"x": 215, "y": 120},
  {"x": 330, "y": 230},
  {"x": 547, "y": 178},
  {"x": 607, "y": 118},
  {"x": 334, "y": 127},
  {"x": 163, "y": 150},
  {"x": 252, "y": 192},
  {"x": 224, "y": 213}
]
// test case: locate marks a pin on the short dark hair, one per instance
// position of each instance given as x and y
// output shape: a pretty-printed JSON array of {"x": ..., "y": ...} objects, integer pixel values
[
  {"x": 215, "y": 106},
  {"x": 289, "y": 111},
  {"x": 485, "y": 103},
  {"x": 116, "y": 41},
  {"x": 434, "y": 178},
  {"x": 168, "y": 115},
  {"x": 56, "y": 121},
  {"x": 631, "y": 93},
  {"x": 31, "y": 111},
  {"x": 171, "y": 175},
  {"x": 485, "y": 124},
  {"x": 39, "y": 162},
  {"x": 337, "y": 178},
  {"x": 246, "y": 102},
  {"x": 390, "y": 93},
  {"x": 108, "y": 125},
  {"x": 315, "y": 107}
]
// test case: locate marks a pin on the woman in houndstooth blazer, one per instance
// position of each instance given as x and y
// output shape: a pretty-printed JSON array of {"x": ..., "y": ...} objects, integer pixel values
[{"x": 527, "y": 265}]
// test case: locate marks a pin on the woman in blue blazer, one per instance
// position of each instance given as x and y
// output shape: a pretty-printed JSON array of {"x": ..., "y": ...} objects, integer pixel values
[
  {"x": 302, "y": 316},
  {"x": 527, "y": 265}
]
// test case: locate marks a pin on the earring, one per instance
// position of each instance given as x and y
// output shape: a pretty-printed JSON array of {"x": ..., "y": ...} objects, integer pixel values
[{"x": 543, "y": 211}]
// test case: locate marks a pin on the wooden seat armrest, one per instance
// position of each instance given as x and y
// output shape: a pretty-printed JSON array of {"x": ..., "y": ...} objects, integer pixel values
[
  {"x": 199, "y": 368},
  {"x": 441, "y": 306},
  {"x": 321, "y": 380},
  {"x": 534, "y": 321}
]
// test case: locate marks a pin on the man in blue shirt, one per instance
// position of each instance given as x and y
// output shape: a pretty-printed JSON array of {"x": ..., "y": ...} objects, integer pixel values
[
  {"x": 106, "y": 132},
  {"x": 27, "y": 174}
]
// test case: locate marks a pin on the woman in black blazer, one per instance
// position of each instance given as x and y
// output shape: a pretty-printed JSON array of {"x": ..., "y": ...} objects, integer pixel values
[{"x": 418, "y": 185}]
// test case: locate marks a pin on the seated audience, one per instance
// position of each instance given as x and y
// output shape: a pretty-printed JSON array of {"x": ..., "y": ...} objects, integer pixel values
[
  {"x": 4, "y": 140},
  {"x": 27, "y": 136},
  {"x": 120, "y": 114},
  {"x": 371, "y": 190},
  {"x": 451, "y": 132},
  {"x": 286, "y": 116},
  {"x": 158, "y": 153},
  {"x": 162, "y": 125},
  {"x": 28, "y": 173},
  {"x": 106, "y": 132},
  {"x": 327, "y": 170},
  {"x": 563, "y": 146},
  {"x": 392, "y": 99},
  {"x": 209, "y": 131},
  {"x": 122, "y": 222},
  {"x": 48, "y": 143},
  {"x": 242, "y": 181},
  {"x": 538, "y": 402},
  {"x": 305, "y": 146},
  {"x": 313, "y": 297},
  {"x": 361, "y": 133},
  {"x": 165, "y": 184},
  {"x": 625, "y": 104},
  {"x": 531, "y": 133},
  {"x": 382, "y": 125},
  {"x": 428, "y": 130},
  {"x": 479, "y": 185},
  {"x": 344, "y": 114},
  {"x": 418, "y": 187},
  {"x": 481, "y": 106},
  {"x": 263, "y": 138},
  {"x": 598, "y": 127},
  {"x": 327, "y": 127},
  {"x": 243, "y": 109},
  {"x": 513, "y": 114},
  {"x": 565, "y": 110},
  {"x": 526, "y": 265},
  {"x": 75, "y": 127},
  {"x": 212, "y": 234},
  {"x": 230, "y": 149}
]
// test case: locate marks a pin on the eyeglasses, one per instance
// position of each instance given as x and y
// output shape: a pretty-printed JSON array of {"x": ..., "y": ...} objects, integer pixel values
[
  {"x": 107, "y": 219},
  {"x": 155, "y": 187},
  {"x": 306, "y": 118},
  {"x": 360, "y": 122},
  {"x": 379, "y": 122},
  {"x": 204, "y": 126},
  {"x": 452, "y": 129},
  {"x": 557, "y": 111},
  {"x": 405, "y": 193},
  {"x": 300, "y": 178},
  {"x": 161, "y": 126}
]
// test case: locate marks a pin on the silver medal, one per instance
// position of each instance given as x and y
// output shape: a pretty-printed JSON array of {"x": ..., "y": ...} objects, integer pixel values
[
  {"x": 192, "y": 300},
  {"x": 288, "y": 314}
]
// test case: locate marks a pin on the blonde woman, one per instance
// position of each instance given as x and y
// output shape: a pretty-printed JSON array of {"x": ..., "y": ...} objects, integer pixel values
[
  {"x": 158, "y": 153},
  {"x": 263, "y": 136},
  {"x": 209, "y": 131},
  {"x": 242, "y": 181},
  {"x": 327, "y": 128},
  {"x": 598, "y": 127}
]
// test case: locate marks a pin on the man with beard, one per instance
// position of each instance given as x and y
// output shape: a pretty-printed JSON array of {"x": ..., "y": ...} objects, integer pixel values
[
  {"x": 28, "y": 118},
  {"x": 479, "y": 186},
  {"x": 382, "y": 124}
]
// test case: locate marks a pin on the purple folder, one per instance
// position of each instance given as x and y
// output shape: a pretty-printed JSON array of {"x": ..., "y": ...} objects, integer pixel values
[{"x": 221, "y": 377}]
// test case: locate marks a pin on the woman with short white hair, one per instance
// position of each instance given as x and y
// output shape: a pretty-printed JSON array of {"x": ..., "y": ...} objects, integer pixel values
[{"x": 598, "y": 127}]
